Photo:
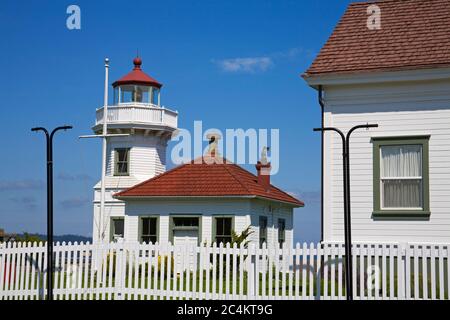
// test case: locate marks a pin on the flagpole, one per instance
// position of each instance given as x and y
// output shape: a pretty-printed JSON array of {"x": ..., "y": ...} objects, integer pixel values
[{"x": 104, "y": 145}]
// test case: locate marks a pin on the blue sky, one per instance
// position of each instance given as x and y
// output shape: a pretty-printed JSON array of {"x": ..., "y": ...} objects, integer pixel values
[{"x": 231, "y": 64}]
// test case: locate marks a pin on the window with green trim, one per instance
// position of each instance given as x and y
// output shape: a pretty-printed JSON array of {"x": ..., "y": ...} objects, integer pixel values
[
  {"x": 149, "y": 230},
  {"x": 223, "y": 230},
  {"x": 117, "y": 229},
  {"x": 121, "y": 161},
  {"x": 401, "y": 176}
]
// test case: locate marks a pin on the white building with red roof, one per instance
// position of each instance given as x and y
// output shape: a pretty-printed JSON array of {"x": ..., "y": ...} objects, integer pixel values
[
  {"x": 387, "y": 63},
  {"x": 200, "y": 202}
]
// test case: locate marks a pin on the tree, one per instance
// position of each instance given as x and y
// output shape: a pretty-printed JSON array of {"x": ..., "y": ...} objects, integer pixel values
[{"x": 27, "y": 237}]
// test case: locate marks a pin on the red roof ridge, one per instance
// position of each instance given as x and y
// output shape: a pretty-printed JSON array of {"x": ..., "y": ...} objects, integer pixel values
[
  {"x": 235, "y": 178},
  {"x": 271, "y": 185}
]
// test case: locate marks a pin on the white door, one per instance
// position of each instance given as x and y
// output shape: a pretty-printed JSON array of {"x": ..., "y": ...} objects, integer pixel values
[{"x": 185, "y": 239}]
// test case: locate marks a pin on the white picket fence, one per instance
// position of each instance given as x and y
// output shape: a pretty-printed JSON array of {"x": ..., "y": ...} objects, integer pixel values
[{"x": 164, "y": 271}]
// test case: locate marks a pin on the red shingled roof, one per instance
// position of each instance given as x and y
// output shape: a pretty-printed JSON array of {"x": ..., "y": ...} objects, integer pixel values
[
  {"x": 220, "y": 178},
  {"x": 137, "y": 76},
  {"x": 414, "y": 34}
]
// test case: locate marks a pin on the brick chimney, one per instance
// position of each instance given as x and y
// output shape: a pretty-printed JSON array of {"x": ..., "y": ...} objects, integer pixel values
[{"x": 264, "y": 174}]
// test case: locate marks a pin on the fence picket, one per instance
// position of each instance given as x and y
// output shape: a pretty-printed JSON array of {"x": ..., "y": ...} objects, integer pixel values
[
  {"x": 227, "y": 271},
  {"x": 355, "y": 250},
  {"x": 391, "y": 272},
  {"x": 208, "y": 271},
  {"x": 433, "y": 271},
  {"x": 441, "y": 273},
  {"x": 340, "y": 274},
  {"x": 425, "y": 272},
  {"x": 318, "y": 278},
  {"x": 214, "y": 271},
  {"x": 311, "y": 270},
  {"x": 416, "y": 272},
  {"x": 241, "y": 272},
  {"x": 283, "y": 272}
]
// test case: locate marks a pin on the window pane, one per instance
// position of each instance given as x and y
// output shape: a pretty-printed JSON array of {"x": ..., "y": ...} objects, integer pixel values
[
  {"x": 281, "y": 230},
  {"x": 152, "y": 227},
  {"x": 262, "y": 230},
  {"x": 401, "y": 161},
  {"x": 155, "y": 96},
  {"x": 127, "y": 94},
  {"x": 118, "y": 227},
  {"x": 227, "y": 226},
  {"x": 149, "y": 230},
  {"x": 223, "y": 229},
  {"x": 122, "y": 157},
  {"x": 185, "y": 222},
  {"x": 145, "y": 226},
  {"x": 402, "y": 194},
  {"x": 122, "y": 167}
]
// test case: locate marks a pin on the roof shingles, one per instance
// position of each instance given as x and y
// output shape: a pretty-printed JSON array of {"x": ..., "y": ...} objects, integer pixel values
[
  {"x": 414, "y": 34},
  {"x": 205, "y": 179}
]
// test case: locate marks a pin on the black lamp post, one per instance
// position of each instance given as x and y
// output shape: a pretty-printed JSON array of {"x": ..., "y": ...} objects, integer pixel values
[
  {"x": 49, "y": 140},
  {"x": 347, "y": 206}
]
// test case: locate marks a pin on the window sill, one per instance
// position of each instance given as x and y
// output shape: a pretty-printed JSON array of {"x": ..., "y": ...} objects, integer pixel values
[
  {"x": 401, "y": 213},
  {"x": 121, "y": 175}
]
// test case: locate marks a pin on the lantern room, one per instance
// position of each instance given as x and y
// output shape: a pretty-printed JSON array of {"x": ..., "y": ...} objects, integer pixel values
[{"x": 137, "y": 88}]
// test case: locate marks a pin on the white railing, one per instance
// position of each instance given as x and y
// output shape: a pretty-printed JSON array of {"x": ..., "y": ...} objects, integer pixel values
[
  {"x": 138, "y": 113},
  {"x": 146, "y": 271}
]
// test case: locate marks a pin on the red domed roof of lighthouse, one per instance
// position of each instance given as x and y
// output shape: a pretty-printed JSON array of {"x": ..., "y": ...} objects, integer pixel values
[{"x": 137, "y": 76}]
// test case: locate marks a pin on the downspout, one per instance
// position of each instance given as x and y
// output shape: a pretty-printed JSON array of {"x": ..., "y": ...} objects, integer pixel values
[{"x": 322, "y": 106}]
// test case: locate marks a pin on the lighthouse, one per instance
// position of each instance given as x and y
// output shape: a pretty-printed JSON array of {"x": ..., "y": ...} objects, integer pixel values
[{"x": 138, "y": 128}]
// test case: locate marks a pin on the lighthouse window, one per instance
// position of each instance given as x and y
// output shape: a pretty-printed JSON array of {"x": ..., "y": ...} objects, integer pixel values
[
  {"x": 122, "y": 159},
  {"x": 139, "y": 94},
  {"x": 126, "y": 94},
  {"x": 155, "y": 96}
]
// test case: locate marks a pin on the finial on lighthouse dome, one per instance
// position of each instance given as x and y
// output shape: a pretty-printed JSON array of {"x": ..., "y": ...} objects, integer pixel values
[
  {"x": 137, "y": 62},
  {"x": 137, "y": 77}
]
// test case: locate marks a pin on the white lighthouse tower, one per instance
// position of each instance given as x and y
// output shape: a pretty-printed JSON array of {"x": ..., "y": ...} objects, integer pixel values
[{"x": 138, "y": 129}]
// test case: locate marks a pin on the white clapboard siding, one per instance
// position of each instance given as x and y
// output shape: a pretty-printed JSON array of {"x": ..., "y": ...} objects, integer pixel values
[
  {"x": 400, "y": 109},
  {"x": 131, "y": 270}
]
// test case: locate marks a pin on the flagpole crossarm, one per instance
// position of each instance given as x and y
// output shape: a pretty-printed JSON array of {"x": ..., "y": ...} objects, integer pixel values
[{"x": 104, "y": 136}]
